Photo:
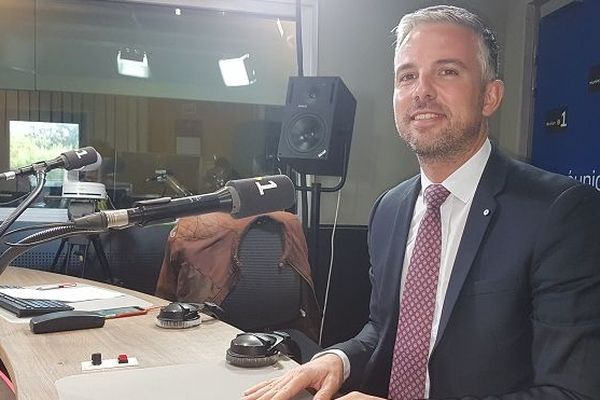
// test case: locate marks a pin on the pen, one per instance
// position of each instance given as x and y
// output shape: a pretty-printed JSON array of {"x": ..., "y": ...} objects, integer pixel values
[{"x": 57, "y": 286}]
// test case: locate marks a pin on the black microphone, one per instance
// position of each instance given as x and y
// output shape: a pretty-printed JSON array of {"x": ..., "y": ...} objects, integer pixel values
[
  {"x": 241, "y": 198},
  {"x": 68, "y": 160}
]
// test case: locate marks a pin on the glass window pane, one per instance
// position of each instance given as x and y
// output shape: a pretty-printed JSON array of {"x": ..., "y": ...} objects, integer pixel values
[
  {"x": 16, "y": 46},
  {"x": 86, "y": 45},
  {"x": 176, "y": 132}
]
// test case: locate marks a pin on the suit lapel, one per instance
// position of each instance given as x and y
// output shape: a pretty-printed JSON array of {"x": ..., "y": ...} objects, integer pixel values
[
  {"x": 398, "y": 216},
  {"x": 481, "y": 213},
  {"x": 401, "y": 228}
]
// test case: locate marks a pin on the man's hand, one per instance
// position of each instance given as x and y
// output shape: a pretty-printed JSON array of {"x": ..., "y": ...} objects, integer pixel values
[{"x": 324, "y": 374}]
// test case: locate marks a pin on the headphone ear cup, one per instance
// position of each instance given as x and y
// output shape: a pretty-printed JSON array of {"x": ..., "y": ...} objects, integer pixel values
[
  {"x": 253, "y": 350},
  {"x": 250, "y": 362},
  {"x": 179, "y": 315}
]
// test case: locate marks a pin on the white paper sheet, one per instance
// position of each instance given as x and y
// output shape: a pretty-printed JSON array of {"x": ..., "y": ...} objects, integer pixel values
[{"x": 72, "y": 294}]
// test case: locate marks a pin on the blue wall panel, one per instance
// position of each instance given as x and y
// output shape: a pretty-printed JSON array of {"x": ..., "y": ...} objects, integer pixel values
[{"x": 569, "y": 47}]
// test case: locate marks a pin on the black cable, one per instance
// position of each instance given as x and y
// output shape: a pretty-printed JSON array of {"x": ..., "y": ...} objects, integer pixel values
[
  {"x": 300, "y": 61},
  {"x": 304, "y": 197},
  {"x": 299, "y": 49},
  {"x": 40, "y": 182},
  {"x": 15, "y": 200}
]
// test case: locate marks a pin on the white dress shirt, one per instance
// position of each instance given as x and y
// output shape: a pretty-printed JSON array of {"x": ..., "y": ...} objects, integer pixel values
[{"x": 462, "y": 185}]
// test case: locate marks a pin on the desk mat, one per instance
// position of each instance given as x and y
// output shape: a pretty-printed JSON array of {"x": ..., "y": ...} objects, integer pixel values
[{"x": 211, "y": 380}]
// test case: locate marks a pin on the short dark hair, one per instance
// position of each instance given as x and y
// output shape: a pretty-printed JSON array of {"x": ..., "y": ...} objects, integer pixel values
[{"x": 489, "y": 50}]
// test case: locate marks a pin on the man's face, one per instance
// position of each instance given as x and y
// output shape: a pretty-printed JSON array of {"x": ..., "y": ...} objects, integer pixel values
[{"x": 440, "y": 100}]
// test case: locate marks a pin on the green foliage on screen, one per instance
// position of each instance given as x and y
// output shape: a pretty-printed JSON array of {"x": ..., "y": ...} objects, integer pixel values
[{"x": 36, "y": 141}]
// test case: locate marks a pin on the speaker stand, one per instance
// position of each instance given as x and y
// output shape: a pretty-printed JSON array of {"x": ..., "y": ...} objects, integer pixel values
[
  {"x": 315, "y": 209},
  {"x": 312, "y": 230},
  {"x": 315, "y": 221}
]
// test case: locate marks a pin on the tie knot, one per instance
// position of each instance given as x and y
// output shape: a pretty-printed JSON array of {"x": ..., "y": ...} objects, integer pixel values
[{"x": 435, "y": 195}]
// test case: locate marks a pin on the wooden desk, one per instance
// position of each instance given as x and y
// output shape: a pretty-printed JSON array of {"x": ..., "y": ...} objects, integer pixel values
[{"x": 35, "y": 362}]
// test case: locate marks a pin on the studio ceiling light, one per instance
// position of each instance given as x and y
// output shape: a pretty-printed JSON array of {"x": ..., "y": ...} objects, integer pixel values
[
  {"x": 237, "y": 71},
  {"x": 132, "y": 61}
]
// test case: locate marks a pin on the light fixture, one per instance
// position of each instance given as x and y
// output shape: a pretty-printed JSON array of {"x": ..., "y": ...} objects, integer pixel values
[
  {"x": 236, "y": 71},
  {"x": 132, "y": 61}
]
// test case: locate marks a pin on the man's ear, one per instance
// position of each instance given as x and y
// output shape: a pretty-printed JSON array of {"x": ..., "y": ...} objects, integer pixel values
[{"x": 492, "y": 97}]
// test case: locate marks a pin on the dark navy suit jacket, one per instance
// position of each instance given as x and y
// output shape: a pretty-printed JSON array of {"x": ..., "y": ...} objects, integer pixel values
[{"x": 521, "y": 317}]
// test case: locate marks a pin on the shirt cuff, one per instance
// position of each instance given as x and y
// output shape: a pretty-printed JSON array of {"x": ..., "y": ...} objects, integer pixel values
[{"x": 340, "y": 354}]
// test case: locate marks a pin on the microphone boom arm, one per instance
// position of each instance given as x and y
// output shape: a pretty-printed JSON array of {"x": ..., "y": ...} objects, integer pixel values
[
  {"x": 38, "y": 238},
  {"x": 40, "y": 182}
]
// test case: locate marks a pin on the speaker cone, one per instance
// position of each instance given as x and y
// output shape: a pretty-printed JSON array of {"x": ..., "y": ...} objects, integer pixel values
[{"x": 306, "y": 133}]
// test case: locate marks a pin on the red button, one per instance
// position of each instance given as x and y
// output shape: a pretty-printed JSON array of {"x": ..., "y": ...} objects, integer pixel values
[{"x": 122, "y": 359}]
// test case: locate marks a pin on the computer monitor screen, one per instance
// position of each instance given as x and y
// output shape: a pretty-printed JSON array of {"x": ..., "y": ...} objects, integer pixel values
[{"x": 31, "y": 142}]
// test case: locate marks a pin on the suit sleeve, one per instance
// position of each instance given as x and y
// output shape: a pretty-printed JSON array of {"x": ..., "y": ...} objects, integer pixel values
[
  {"x": 360, "y": 348},
  {"x": 565, "y": 296}
]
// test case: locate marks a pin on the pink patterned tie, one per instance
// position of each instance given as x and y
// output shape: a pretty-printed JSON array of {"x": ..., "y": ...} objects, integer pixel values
[{"x": 413, "y": 337}]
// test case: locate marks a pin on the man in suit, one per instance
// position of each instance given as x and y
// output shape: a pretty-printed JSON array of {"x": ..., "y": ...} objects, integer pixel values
[{"x": 485, "y": 271}]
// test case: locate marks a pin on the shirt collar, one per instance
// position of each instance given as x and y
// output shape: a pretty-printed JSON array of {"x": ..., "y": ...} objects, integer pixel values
[{"x": 462, "y": 183}]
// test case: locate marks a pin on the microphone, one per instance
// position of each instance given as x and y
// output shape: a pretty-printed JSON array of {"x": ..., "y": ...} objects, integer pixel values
[
  {"x": 241, "y": 198},
  {"x": 68, "y": 160}
]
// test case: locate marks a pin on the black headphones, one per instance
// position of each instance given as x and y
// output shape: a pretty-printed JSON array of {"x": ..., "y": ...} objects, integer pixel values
[
  {"x": 252, "y": 350},
  {"x": 186, "y": 315},
  {"x": 246, "y": 349}
]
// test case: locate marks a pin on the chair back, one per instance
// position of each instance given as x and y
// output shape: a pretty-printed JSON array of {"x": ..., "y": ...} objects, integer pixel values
[
  {"x": 267, "y": 294},
  {"x": 255, "y": 268}
]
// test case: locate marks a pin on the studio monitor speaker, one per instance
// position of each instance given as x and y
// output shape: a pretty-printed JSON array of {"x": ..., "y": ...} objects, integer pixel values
[{"x": 316, "y": 130}]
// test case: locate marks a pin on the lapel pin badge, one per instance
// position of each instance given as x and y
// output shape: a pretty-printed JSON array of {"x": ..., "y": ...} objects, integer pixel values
[{"x": 486, "y": 212}]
